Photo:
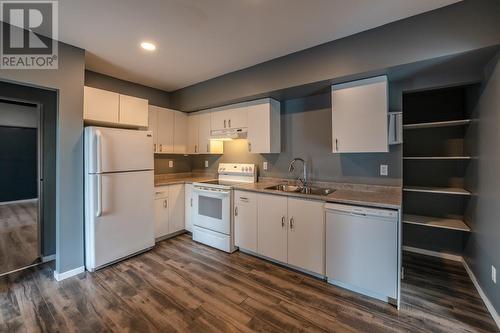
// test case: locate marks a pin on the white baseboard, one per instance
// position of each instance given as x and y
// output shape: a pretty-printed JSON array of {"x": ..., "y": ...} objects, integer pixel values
[
  {"x": 68, "y": 274},
  {"x": 18, "y": 201},
  {"x": 489, "y": 305},
  {"x": 485, "y": 299},
  {"x": 448, "y": 256},
  {"x": 49, "y": 258}
]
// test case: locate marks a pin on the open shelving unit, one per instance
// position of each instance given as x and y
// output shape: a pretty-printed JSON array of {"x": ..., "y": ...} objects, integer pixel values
[{"x": 436, "y": 160}]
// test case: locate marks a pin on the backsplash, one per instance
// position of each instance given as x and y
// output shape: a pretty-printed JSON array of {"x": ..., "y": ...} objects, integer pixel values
[
  {"x": 181, "y": 163},
  {"x": 306, "y": 133}
]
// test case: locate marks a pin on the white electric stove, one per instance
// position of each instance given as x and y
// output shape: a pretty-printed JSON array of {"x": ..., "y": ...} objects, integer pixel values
[{"x": 213, "y": 204}]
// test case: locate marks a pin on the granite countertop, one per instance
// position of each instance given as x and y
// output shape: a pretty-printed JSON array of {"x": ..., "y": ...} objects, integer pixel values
[
  {"x": 182, "y": 178},
  {"x": 364, "y": 195}
]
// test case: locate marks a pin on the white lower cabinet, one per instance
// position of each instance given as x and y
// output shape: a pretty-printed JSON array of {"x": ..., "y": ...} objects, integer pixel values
[
  {"x": 272, "y": 226},
  {"x": 245, "y": 220},
  {"x": 169, "y": 210},
  {"x": 161, "y": 212},
  {"x": 176, "y": 208},
  {"x": 306, "y": 235},
  {"x": 188, "y": 206},
  {"x": 285, "y": 229}
]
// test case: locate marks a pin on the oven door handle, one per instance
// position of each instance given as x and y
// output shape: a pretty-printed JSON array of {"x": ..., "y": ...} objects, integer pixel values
[{"x": 212, "y": 192}]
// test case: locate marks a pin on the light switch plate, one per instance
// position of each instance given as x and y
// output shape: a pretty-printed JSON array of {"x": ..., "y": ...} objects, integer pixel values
[
  {"x": 170, "y": 164},
  {"x": 384, "y": 169},
  {"x": 493, "y": 274},
  {"x": 206, "y": 164},
  {"x": 264, "y": 165}
]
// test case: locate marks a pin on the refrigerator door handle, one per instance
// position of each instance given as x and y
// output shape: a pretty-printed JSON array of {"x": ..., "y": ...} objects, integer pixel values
[
  {"x": 99, "y": 196},
  {"x": 98, "y": 150}
]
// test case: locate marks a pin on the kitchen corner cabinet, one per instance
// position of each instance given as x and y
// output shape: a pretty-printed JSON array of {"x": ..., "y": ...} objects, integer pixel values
[
  {"x": 272, "y": 226},
  {"x": 205, "y": 145},
  {"x": 169, "y": 210},
  {"x": 192, "y": 134},
  {"x": 106, "y": 107},
  {"x": 169, "y": 129},
  {"x": 264, "y": 127},
  {"x": 245, "y": 220},
  {"x": 359, "y": 116}
]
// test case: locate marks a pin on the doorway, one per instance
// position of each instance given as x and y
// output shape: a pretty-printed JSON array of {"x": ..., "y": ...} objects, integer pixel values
[{"x": 21, "y": 134}]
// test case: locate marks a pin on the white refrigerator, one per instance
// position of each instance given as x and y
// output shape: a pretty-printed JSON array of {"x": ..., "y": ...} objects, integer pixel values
[{"x": 119, "y": 187}]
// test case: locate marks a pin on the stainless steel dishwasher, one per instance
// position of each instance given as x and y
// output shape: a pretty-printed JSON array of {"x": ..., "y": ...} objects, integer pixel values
[{"x": 361, "y": 250}]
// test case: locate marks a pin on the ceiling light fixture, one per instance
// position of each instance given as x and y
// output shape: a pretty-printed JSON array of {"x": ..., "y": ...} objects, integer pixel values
[{"x": 148, "y": 46}]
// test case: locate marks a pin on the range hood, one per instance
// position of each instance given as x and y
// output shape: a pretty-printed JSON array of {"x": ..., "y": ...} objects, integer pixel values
[{"x": 229, "y": 133}]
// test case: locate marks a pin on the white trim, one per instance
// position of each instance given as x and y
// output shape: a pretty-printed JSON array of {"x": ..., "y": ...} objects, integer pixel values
[
  {"x": 18, "y": 201},
  {"x": 442, "y": 255},
  {"x": 485, "y": 299},
  {"x": 49, "y": 258},
  {"x": 68, "y": 274}
]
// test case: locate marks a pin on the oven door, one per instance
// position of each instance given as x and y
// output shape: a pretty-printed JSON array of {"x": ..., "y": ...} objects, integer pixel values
[{"x": 211, "y": 209}]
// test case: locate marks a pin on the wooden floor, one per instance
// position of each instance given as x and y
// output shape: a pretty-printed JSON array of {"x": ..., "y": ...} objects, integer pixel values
[
  {"x": 184, "y": 286},
  {"x": 18, "y": 235}
]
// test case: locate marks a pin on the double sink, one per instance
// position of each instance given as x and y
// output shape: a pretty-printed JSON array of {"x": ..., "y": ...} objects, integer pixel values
[{"x": 300, "y": 189}]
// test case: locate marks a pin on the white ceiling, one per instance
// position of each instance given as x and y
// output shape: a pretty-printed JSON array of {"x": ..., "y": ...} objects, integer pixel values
[{"x": 200, "y": 39}]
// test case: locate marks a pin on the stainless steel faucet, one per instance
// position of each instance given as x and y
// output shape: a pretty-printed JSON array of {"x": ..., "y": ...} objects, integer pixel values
[{"x": 291, "y": 167}]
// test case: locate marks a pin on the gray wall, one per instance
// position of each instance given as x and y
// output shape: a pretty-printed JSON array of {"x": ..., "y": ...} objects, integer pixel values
[
  {"x": 182, "y": 163},
  {"x": 306, "y": 132},
  {"x": 483, "y": 247},
  {"x": 465, "y": 26},
  {"x": 155, "y": 96},
  {"x": 67, "y": 81}
]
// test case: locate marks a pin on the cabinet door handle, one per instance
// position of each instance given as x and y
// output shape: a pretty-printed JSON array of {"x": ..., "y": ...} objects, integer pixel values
[
  {"x": 191, "y": 202},
  {"x": 229, "y": 123},
  {"x": 154, "y": 147},
  {"x": 336, "y": 145},
  {"x": 208, "y": 148},
  {"x": 195, "y": 148},
  {"x": 161, "y": 147},
  {"x": 165, "y": 204},
  {"x": 236, "y": 211},
  {"x": 249, "y": 147},
  {"x": 282, "y": 221},
  {"x": 292, "y": 223},
  {"x": 224, "y": 123}
]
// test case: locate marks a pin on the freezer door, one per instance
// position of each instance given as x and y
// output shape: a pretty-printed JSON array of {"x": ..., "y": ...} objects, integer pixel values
[
  {"x": 117, "y": 150},
  {"x": 119, "y": 216}
]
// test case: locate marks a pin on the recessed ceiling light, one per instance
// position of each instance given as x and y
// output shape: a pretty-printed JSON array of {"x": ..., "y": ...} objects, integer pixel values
[{"x": 148, "y": 46}]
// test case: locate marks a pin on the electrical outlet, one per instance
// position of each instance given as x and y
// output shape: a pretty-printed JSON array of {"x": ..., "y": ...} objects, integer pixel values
[
  {"x": 170, "y": 164},
  {"x": 493, "y": 274},
  {"x": 264, "y": 165},
  {"x": 384, "y": 169},
  {"x": 206, "y": 164}
]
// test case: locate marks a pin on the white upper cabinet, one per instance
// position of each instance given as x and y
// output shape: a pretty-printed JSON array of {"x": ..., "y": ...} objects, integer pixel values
[
  {"x": 264, "y": 127},
  {"x": 153, "y": 125},
  {"x": 106, "y": 107},
  {"x": 133, "y": 111},
  {"x": 192, "y": 134},
  {"x": 359, "y": 116},
  {"x": 234, "y": 116},
  {"x": 101, "y": 105},
  {"x": 165, "y": 131},
  {"x": 180, "y": 132},
  {"x": 205, "y": 145}
]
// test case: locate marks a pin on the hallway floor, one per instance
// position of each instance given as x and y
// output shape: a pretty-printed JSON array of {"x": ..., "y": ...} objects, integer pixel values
[
  {"x": 187, "y": 287},
  {"x": 18, "y": 235}
]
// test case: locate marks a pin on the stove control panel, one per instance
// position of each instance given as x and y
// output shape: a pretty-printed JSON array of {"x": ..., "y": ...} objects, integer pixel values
[{"x": 243, "y": 172}]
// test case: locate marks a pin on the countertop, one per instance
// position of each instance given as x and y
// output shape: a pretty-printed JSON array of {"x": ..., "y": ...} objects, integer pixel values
[
  {"x": 354, "y": 194},
  {"x": 363, "y": 195},
  {"x": 184, "y": 178}
]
